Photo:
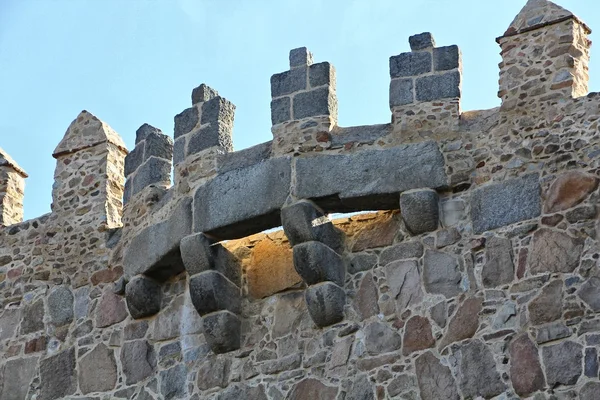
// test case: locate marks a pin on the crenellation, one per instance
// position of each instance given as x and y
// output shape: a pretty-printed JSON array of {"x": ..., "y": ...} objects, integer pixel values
[{"x": 12, "y": 187}]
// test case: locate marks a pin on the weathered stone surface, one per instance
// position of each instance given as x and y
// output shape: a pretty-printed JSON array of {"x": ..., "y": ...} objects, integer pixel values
[
  {"x": 478, "y": 374},
  {"x": 155, "y": 250},
  {"x": 271, "y": 269},
  {"x": 446, "y": 58},
  {"x": 562, "y": 363},
  {"x": 110, "y": 310},
  {"x": 159, "y": 145},
  {"x": 33, "y": 317},
  {"x": 321, "y": 74},
  {"x": 203, "y": 93},
  {"x": 421, "y": 41},
  {"x": 153, "y": 171},
  {"x": 311, "y": 388},
  {"x": 16, "y": 376},
  {"x": 244, "y": 158},
  {"x": 288, "y": 82},
  {"x": 420, "y": 210},
  {"x": 380, "y": 338},
  {"x": 57, "y": 375},
  {"x": 216, "y": 134},
  {"x": 435, "y": 380},
  {"x": 316, "y": 262},
  {"x": 186, "y": 121},
  {"x": 401, "y": 92},
  {"x": 134, "y": 159},
  {"x": 547, "y": 306},
  {"x": 288, "y": 314},
  {"x": 370, "y": 179},
  {"x": 222, "y": 330},
  {"x": 568, "y": 190},
  {"x": 554, "y": 252},
  {"x": 143, "y": 296},
  {"x": 555, "y": 331},
  {"x": 591, "y": 362},
  {"x": 237, "y": 392},
  {"x": 212, "y": 291},
  {"x": 98, "y": 370},
  {"x": 401, "y": 251},
  {"x": 439, "y": 314},
  {"x": 214, "y": 372},
  {"x": 590, "y": 293},
  {"x": 362, "y": 262},
  {"x": 318, "y": 102},
  {"x": 441, "y": 273},
  {"x": 410, "y": 64},
  {"x": 499, "y": 268},
  {"x": 138, "y": 361},
  {"x": 589, "y": 391},
  {"x": 366, "y": 297},
  {"x": 405, "y": 283},
  {"x": 60, "y": 306},
  {"x": 437, "y": 87},
  {"x": 243, "y": 201},
  {"x": 417, "y": 335},
  {"x": 465, "y": 322},
  {"x": 172, "y": 382},
  {"x": 325, "y": 302},
  {"x": 9, "y": 322},
  {"x": 300, "y": 57},
  {"x": 281, "y": 110},
  {"x": 361, "y": 389},
  {"x": 196, "y": 253},
  {"x": 401, "y": 384},
  {"x": 505, "y": 203},
  {"x": 525, "y": 369}
]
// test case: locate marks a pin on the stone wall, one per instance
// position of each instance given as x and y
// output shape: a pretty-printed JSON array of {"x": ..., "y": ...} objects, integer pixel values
[{"x": 478, "y": 275}]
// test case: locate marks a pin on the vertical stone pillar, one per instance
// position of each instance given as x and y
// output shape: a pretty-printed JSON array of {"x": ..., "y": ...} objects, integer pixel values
[
  {"x": 202, "y": 133},
  {"x": 303, "y": 105},
  {"x": 545, "y": 56},
  {"x": 12, "y": 186},
  {"x": 425, "y": 89}
]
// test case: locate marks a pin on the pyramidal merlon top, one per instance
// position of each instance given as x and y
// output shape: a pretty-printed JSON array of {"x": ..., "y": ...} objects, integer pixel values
[{"x": 537, "y": 13}]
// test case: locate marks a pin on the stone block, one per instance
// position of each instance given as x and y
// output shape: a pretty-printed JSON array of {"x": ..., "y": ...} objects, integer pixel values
[
  {"x": 154, "y": 170},
  {"x": 60, "y": 306},
  {"x": 499, "y": 268},
  {"x": 288, "y": 82},
  {"x": 57, "y": 375},
  {"x": 568, "y": 190},
  {"x": 244, "y": 201},
  {"x": 441, "y": 274},
  {"x": 127, "y": 190},
  {"x": 325, "y": 302},
  {"x": 185, "y": 121},
  {"x": 144, "y": 296},
  {"x": 525, "y": 369},
  {"x": 437, "y": 87},
  {"x": 197, "y": 253},
  {"x": 410, "y": 64},
  {"x": 420, "y": 210},
  {"x": 179, "y": 150},
  {"x": 218, "y": 109},
  {"x": 505, "y": 203},
  {"x": 215, "y": 134},
  {"x": 446, "y": 58},
  {"x": 589, "y": 292},
  {"x": 300, "y": 57},
  {"x": 211, "y": 291},
  {"x": 562, "y": 363},
  {"x": 304, "y": 221},
  {"x": 316, "y": 262},
  {"x": 143, "y": 131},
  {"x": 421, "y": 41},
  {"x": 173, "y": 382},
  {"x": 203, "y": 93},
  {"x": 228, "y": 264},
  {"x": 155, "y": 250},
  {"x": 16, "y": 376},
  {"x": 134, "y": 159},
  {"x": 321, "y": 74},
  {"x": 281, "y": 110},
  {"x": 478, "y": 376},
  {"x": 435, "y": 380},
  {"x": 554, "y": 251},
  {"x": 315, "y": 103},
  {"x": 401, "y": 92},
  {"x": 158, "y": 145},
  {"x": 244, "y": 158},
  {"x": 222, "y": 331},
  {"x": 371, "y": 179},
  {"x": 138, "y": 360},
  {"x": 97, "y": 370}
]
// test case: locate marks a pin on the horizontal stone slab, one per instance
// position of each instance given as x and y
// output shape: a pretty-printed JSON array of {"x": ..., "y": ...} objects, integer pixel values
[
  {"x": 371, "y": 179},
  {"x": 243, "y": 201}
]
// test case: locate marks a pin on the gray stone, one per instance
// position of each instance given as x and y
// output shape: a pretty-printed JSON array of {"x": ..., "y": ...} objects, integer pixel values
[
  {"x": 589, "y": 391},
  {"x": 435, "y": 380},
  {"x": 547, "y": 306},
  {"x": 179, "y": 150},
  {"x": 203, "y": 93},
  {"x": 410, "y": 64},
  {"x": 580, "y": 214},
  {"x": 499, "y": 268},
  {"x": 311, "y": 388},
  {"x": 172, "y": 382},
  {"x": 152, "y": 171},
  {"x": 361, "y": 389},
  {"x": 401, "y": 251},
  {"x": 33, "y": 317},
  {"x": 321, "y": 74},
  {"x": 437, "y": 87},
  {"x": 244, "y": 201},
  {"x": 222, "y": 330},
  {"x": 138, "y": 361},
  {"x": 441, "y": 274},
  {"x": 401, "y": 92},
  {"x": 9, "y": 322},
  {"x": 143, "y": 132},
  {"x": 57, "y": 375},
  {"x": 244, "y": 158},
  {"x": 136, "y": 330},
  {"x": 370, "y": 179},
  {"x": 446, "y": 58},
  {"x": 304, "y": 221},
  {"x": 300, "y": 57},
  {"x": 155, "y": 250},
  {"x": 366, "y": 297},
  {"x": 197, "y": 253},
  {"x": 316, "y": 262},
  {"x": 401, "y": 384},
  {"x": 591, "y": 362},
  {"x": 447, "y": 237},
  {"x": 288, "y": 314},
  {"x": 421, "y": 41},
  {"x": 60, "y": 306},
  {"x": 288, "y": 82},
  {"x": 325, "y": 302},
  {"x": 555, "y": 331},
  {"x": 554, "y": 251},
  {"x": 212, "y": 291},
  {"x": 505, "y": 203},
  {"x": 439, "y": 314},
  {"x": 158, "y": 145},
  {"x": 562, "y": 363},
  {"x": 380, "y": 338},
  {"x": 213, "y": 372},
  {"x": 420, "y": 210},
  {"x": 281, "y": 110},
  {"x": 134, "y": 159},
  {"x": 143, "y": 296},
  {"x": 359, "y": 134},
  {"x": 478, "y": 374},
  {"x": 16, "y": 376},
  {"x": 405, "y": 283},
  {"x": 214, "y": 135},
  {"x": 186, "y": 121},
  {"x": 590, "y": 293},
  {"x": 97, "y": 370},
  {"x": 127, "y": 190},
  {"x": 362, "y": 262},
  {"x": 315, "y": 103}
]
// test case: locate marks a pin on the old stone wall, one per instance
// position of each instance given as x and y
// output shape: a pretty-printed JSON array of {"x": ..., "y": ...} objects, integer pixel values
[{"x": 471, "y": 271}]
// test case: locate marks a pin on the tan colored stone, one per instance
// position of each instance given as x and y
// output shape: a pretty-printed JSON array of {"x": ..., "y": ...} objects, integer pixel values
[
  {"x": 379, "y": 233},
  {"x": 569, "y": 189},
  {"x": 417, "y": 335},
  {"x": 271, "y": 269}
]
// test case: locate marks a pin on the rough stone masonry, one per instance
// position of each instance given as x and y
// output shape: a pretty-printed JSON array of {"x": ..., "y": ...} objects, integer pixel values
[{"x": 472, "y": 272}]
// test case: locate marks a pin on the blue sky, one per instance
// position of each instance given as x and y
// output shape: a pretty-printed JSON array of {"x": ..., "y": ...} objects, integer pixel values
[{"x": 133, "y": 61}]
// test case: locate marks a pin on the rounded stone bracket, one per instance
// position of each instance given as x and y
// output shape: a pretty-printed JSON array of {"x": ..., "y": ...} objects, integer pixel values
[
  {"x": 325, "y": 303},
  {"x": 143, "y": 296}
]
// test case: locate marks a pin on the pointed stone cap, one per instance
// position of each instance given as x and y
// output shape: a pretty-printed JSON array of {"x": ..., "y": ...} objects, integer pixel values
[
  {"x": 539, "y": 13},
  {"x": 87, "y": 131},
  {"x": 7, "y": 161}
]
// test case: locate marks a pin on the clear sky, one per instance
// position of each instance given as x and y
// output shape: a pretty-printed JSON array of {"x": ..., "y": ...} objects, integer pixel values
[{"x": 135, "y": 61}]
